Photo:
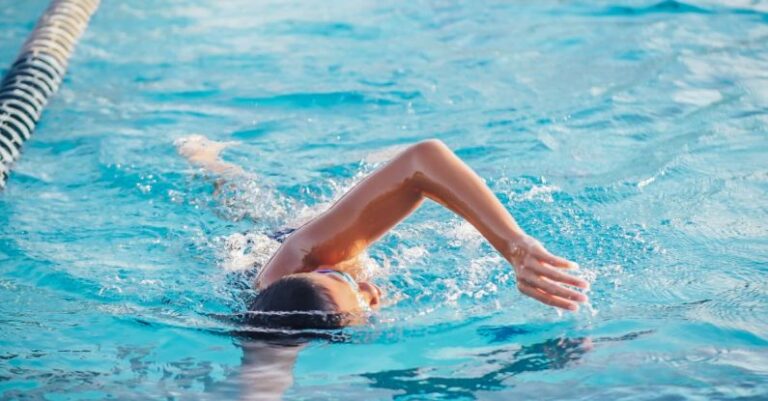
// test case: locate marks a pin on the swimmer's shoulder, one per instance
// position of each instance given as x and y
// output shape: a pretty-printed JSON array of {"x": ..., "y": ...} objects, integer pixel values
[{"x": 288, "y": 259}]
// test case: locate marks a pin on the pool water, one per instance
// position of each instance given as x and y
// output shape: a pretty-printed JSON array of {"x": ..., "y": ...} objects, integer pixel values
[{"x": 628, "y": 136}]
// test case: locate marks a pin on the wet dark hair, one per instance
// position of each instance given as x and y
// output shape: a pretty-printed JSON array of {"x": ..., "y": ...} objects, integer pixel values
[{"x": 294, "y": 303}]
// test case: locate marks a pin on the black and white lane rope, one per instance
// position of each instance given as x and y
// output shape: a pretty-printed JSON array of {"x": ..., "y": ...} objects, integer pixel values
[{"x": 37, "y": 73}]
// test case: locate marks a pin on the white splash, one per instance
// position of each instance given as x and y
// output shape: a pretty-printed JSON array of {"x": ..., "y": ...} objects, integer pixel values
[
  {"x": 464, "y": 234},
  {"x": 537, "y": 192},
  {"x": 245, "y": 251},
  {"x": 697, "y": 97}
]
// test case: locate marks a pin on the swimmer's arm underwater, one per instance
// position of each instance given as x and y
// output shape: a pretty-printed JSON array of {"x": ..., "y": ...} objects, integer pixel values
[{"x": 426, "y": 170}]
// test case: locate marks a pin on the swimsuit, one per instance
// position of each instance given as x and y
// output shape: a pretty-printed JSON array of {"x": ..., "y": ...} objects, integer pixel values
[{"x": 282, "y": 234}]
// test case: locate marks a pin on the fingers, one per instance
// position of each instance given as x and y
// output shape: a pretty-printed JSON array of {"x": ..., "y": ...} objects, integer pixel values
[
  {"x": 547, "y": 298},
  {"x": 545, "y": 256},
  {"x": 555, "y": 289},
  {"x": 545, "y": 284},
  {"x": 540, "y": 276},
  {"x": 555, "y": 274}
]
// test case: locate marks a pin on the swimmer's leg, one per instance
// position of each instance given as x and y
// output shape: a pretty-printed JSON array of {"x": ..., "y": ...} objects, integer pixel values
[
  {"x": 240, "y": 192},
  {"x": 203, "y": 152}
]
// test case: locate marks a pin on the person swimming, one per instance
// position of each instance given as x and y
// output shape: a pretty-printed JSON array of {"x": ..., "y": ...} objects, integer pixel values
[{"x": 315, "y": 271}]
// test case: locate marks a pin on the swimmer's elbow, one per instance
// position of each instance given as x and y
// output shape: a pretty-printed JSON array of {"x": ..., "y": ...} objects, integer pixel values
[
  {"x": 425, "y": 158},
  {"x": 429, "y": 149},
  {"x": 426, "y": 154}
]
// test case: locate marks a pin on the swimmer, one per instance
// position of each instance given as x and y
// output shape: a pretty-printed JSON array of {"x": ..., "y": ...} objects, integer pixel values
[{"x": 316, "y": 269}]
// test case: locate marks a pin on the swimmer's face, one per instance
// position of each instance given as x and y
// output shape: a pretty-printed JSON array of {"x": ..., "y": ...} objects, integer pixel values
[{"x": 348, "y": 297}]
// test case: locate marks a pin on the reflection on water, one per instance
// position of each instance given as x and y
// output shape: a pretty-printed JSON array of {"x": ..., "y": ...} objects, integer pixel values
[
  {"x": 267, "y": 370},
  {"x": 552, "y": 354},
  {"x": 498, "y": 365}
]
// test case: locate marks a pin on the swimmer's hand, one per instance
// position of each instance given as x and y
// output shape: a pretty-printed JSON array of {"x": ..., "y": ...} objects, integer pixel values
[{"x": 540, "y": 274}]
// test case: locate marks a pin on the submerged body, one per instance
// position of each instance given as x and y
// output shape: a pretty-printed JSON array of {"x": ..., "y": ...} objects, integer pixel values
[{"x": 315, "y": 268}]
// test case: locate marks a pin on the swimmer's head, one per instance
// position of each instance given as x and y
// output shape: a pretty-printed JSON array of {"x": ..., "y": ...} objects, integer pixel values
[{"x": 323, "y": 299}]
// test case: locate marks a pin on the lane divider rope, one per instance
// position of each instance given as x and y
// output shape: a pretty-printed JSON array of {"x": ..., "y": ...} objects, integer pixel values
[{"x": 37, "y": 73}]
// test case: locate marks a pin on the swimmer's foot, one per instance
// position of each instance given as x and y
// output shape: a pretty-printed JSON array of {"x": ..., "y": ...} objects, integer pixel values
[
  {"x": 197, "y": 147},
  {"x": 204, "y": 153}
]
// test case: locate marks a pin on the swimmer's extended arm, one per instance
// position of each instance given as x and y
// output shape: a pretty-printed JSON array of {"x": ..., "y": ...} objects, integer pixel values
[{"x": 426, "y": 170}]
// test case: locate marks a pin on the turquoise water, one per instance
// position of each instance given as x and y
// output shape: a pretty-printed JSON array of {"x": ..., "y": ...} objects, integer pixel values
[{"x": 630, "y": 137}]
